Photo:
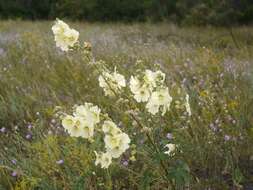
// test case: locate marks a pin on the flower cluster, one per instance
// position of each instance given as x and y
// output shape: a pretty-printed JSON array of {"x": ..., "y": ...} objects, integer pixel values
[
  {"x": 116, "y": 143},
  {"x": 111, "y": 82},
  {"x": 150, "y": 88},
  {"x": 84, "y": 122},
  {"x": 65, "y": 37}
]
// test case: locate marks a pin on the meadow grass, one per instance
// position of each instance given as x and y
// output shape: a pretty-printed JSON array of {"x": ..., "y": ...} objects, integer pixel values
[{"x": 213, "y": 65}]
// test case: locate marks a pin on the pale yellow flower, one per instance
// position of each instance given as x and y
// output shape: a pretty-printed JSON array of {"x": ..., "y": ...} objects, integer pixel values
[
  {"x": 59, "y": 27},
  {"x": 112, "y": 141},
  {"x": 142, "y": 89},
  {"x": 111, "y": 128},
  {"x": 152, "y": 107},
  {"x": 89, "y": 112},
  {"x": 150, "y": 78},
  {"x": 132, "y": 158},
  {"x": 77, "y": 127},
  {"x": 65, "y": 37},
  {"x": 104, "y": 159},
  {"x": 111, "y": 82},
  {"x": 142, "y": 95},
  {"x": 88, "y": 131},
  {"x": 171, "y": 148},
  {"x": 117, "y": 144},
  {"x": 68, "y": 122},
  {"x": 141, "y": 92},
  {"x": 154, "y": 78},
  {"x": 135, "y": 84},
  {"x": 119, "y": 79},
  {"x": 159, "y": 98},
  {"x": 159, "y": 77}
]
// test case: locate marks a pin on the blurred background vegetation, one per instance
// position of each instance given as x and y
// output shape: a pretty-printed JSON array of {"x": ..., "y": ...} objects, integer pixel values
[{"x": 197, "y": 12}]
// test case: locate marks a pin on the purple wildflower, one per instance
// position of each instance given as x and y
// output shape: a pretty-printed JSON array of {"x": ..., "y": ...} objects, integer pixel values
[
  {"x": 29, "y": 126},
  {"x": 1, "y": 51},
  {"x": 227, "y": 137},
  {"x": 169, "y": 136},
  {"x": 125, "y": 163},
  {"x": 14, "y": 161},
  {"x": 59, "y": 162},
  {"x": 14, "y": 174},
  {"x": 142, "y": 141},
  {"x": 28, "y": 136},
  {"x": 213, "y": 127},
  {"x": 3, "y": 129}
]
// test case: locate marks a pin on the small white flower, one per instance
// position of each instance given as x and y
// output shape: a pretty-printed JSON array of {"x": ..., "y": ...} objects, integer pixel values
[
  {"x": 187, "y": 105},
  {"x": 104, "y": 159},
  {"x": 171, "y": 148}
]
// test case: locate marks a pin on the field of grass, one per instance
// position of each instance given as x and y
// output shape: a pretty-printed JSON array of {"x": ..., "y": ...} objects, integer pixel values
[{"x": 214, "y": 146}]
